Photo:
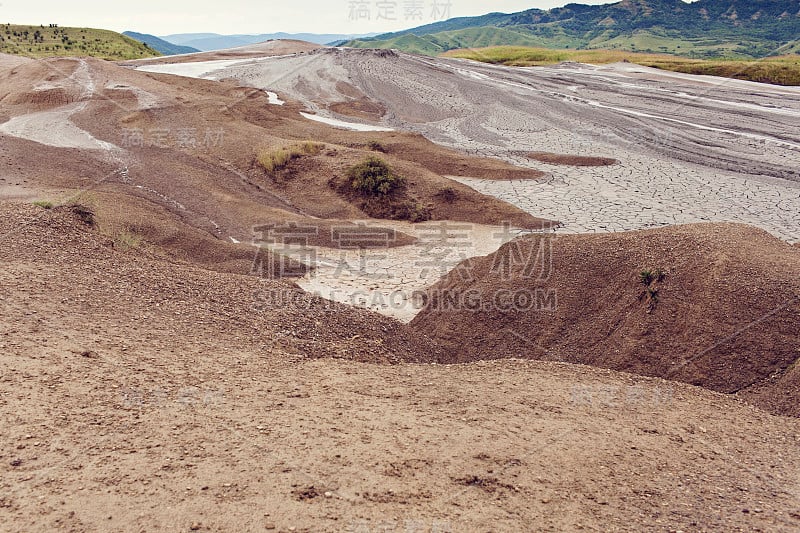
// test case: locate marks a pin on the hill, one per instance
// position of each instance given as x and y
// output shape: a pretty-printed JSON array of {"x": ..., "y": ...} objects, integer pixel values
[
  {"x": 41, "y": 41},
  {"x": 207, "y": 42},
  {"x": 706, "y": 28},
  {"x": 711, "y": 305},
  {"x": 160, "y": 45}
]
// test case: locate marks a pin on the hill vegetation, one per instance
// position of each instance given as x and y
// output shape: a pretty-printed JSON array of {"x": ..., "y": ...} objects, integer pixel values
[
  {"x": 48, "y": 41},
  {"x": 160, "y": 45},
  {"x": 703, "y": 29}
]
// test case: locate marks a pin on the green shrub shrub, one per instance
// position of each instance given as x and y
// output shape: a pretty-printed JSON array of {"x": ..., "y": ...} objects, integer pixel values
[{"x": 373, "y": 177}]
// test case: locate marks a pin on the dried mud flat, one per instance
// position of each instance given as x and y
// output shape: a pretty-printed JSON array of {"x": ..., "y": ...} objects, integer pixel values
[{"x": 689, "y": 149}]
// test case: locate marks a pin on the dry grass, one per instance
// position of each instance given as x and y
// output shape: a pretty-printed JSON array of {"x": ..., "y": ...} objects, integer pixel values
[{"x": 278, "y": 159}]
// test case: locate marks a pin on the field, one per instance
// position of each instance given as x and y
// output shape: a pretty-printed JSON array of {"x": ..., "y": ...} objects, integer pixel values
[
  {"x": 41, "y": 41},
  {"x": 778, "y": 70}
]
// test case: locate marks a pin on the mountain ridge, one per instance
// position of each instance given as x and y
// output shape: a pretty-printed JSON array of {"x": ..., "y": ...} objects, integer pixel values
[
  {"x": 706, "y": 28},
  {"x": 207, "y": 42},
  {"x": 160, "y": 45}
]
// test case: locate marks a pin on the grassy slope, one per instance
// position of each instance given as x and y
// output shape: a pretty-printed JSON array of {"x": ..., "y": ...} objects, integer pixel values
[
  {"x": 653, "y": 40},
  {"x": 783, "y": 70},
  {"x": 104, "y": 44}
]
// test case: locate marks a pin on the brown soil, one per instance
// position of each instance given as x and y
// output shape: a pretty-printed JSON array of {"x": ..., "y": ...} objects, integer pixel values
[
  {"x": 449, "y": 162},
  {"x": 571, "y": 160},
  {"x": 725, "y": 316},
  {"x": 148, "y": 382},
  {"x": 359, "y": 108},
  {"x": 140, "y": 394},
  {"x": 191, "y": 198}
]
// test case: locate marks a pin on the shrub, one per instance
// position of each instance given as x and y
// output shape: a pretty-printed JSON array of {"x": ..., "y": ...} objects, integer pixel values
[
  {"x": 84, "y": 213},
  {"x": 647, "y": 276},
  {"x": 376, "y": 146},
  {"x": 373, "y": 177},
  {"x": 447, "y": 194}
]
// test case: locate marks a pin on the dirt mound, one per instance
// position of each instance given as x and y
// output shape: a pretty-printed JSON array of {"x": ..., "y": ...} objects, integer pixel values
[
  {"x": 129, "y": 381},
  {"x": 177, "y": 296},
  {"x": 571, "y": 160},
  {"x": 715, "y": 305}
]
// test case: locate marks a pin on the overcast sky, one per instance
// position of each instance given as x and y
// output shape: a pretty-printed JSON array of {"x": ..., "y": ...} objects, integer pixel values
[{"x": 162, "y": 17}]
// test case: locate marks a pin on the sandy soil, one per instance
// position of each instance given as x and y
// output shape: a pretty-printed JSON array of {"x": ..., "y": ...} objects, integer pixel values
[
  {"x": 144, "y": 395},
  {"x": 720, "y": 310}
]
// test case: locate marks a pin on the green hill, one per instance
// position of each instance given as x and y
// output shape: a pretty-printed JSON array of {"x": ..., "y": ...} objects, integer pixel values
[
  {"x": 703, "y": 29},
  {"x": 45, "y": 41},
  {"x": 160, "y": 45}
]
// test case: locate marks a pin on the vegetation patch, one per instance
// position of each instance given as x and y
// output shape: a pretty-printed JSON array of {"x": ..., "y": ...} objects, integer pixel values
[
  {"x": 373, "y": 177},
  {"x": 650, "y": 278},
  {"x": 379, "y": 192},
  {"x": 51, "y": 40},
  {"x": 127, "y": 240},
  {"x": 278, "y": 159},
  {"x": 44, "y": 204}
]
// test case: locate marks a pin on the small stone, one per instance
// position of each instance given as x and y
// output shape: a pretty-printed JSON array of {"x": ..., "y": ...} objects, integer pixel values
[
  {"x": 328, "y": 494},
  {"x": 195, "y": 526},
  {"x": 269, "y": 525}
]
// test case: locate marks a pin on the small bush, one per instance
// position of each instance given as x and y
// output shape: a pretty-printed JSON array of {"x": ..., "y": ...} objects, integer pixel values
[
  {"x": 447, "y": 194},
  {"x": 646, "y": 277},
  {"x": 373, "y": 177},
  {"x": 44, "y": 204},
  {"x": 376, "y": 146},
  {"x": 84, "y": 213}
]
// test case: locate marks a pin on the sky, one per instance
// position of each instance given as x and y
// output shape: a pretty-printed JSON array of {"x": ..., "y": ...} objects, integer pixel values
[{"x": 164, "y": 17}]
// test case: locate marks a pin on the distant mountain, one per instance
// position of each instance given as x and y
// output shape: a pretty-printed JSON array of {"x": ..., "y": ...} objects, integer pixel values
[
  {"x": 213, "y": 41},
  {"x": 160, "y": 45},
  {"x": 706, "y": 28}
]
